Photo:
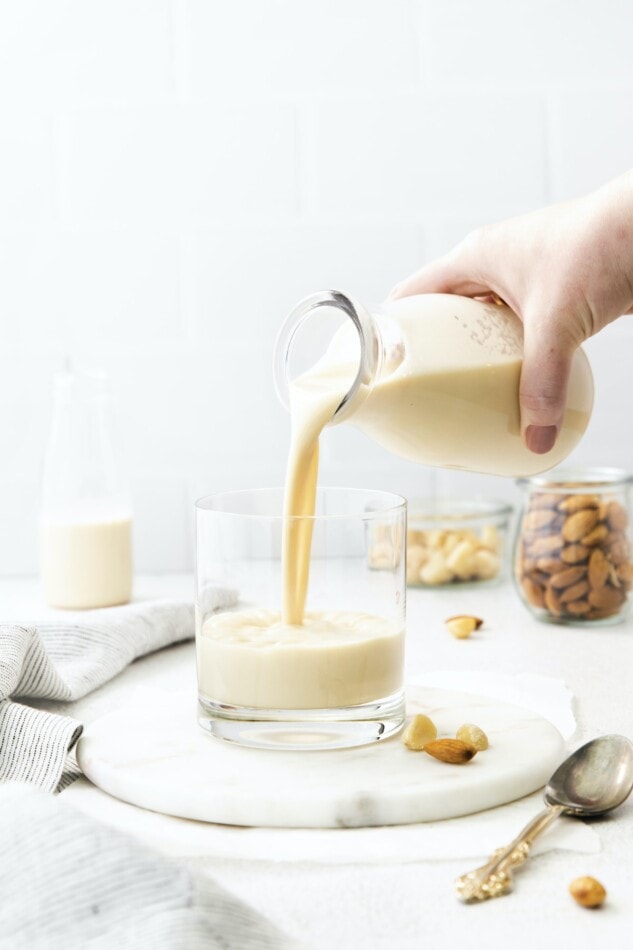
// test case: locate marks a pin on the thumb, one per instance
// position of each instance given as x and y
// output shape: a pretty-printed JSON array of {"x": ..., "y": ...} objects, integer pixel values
[
  {"x": 446, "y": 275},
  {"x": 547, "y": 359}
]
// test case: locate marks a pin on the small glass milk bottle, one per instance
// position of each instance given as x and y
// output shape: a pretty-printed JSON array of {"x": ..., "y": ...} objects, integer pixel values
[{"x": 86, "y": 514}]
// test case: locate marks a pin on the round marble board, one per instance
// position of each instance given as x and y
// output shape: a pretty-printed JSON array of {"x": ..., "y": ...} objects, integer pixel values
[{"x": 157, "y": 757}]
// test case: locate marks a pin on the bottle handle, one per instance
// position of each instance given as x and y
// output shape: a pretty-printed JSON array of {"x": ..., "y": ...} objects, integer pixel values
[{"x": 370, "y": 351}]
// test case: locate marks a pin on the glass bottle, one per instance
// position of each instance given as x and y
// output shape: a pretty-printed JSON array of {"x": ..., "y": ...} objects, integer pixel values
[
  {"x": 433, "y": 378},
  {"x": 572, "y": 562},
  {"x": 86, "y": 513}
]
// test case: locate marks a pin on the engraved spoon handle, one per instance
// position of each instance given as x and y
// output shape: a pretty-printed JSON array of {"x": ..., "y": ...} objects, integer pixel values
[{"x": 495, "y": 877}]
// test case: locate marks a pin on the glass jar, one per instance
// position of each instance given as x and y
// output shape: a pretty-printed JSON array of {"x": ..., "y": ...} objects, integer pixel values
[
  {"x": 456, "y": 541},
  {"x": 449, "y": 541},
  {"x": 433, "y": 378},
  {"x": 572, "y": 562},
  {"x": 86, "y": 512}
]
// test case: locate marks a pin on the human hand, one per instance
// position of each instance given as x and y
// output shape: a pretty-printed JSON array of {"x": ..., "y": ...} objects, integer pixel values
[{"x": 566, "y": 271}]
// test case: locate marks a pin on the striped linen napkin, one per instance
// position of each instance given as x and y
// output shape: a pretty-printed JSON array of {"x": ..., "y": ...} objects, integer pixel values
[
  {"x": 64, "y": 661},
  {"x": 69, "y": 883}
]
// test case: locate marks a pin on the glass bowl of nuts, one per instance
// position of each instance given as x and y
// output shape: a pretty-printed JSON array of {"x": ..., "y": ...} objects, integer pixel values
[
  {"x": 453, "y": 541},
  {"x": 572, "y": 560}
]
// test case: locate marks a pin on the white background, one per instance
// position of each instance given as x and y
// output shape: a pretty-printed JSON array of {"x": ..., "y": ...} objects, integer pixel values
[{"x": 176, "y": 174}]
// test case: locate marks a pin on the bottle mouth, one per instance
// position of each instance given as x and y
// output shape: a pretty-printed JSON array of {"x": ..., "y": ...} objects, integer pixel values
[{"x": 288, "y": 336}]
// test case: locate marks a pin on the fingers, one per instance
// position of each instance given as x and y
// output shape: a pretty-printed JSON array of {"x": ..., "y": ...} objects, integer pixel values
[
  {"x": 548, "y": 343},
  {"x": 547, "y": 362},
  {"x": 447, "y": 275}
]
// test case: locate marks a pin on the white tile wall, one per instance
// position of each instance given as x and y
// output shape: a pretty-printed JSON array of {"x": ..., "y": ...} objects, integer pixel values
[
  {"x": 282, "y": 45},
  {"x": 175, "y": 174},
  {"x": 89, "y": 288},
  {"x": 591, "y": 138},
  {"x": 409, "y": 157},
  {"x": 534, "y": 44},
  {"x": 73, "y": 50},
  {"x": 174, "y": 166},
  {"x": 27, "y": 182}
]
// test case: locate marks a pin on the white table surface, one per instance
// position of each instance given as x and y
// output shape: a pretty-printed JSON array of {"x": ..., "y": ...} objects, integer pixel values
[{"x": 412, "y": 905}]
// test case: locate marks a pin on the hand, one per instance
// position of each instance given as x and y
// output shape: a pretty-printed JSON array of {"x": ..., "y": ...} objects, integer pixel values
[{"x": 566, "y": 270}]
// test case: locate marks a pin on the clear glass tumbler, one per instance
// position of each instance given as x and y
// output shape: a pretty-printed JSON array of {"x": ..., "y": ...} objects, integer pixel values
[{"x": 336, "y": 680}]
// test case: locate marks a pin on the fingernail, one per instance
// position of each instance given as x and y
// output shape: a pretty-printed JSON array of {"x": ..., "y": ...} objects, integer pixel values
[
  {"x": 393, "y": 293},
  {"x": 540, "y": 439}
]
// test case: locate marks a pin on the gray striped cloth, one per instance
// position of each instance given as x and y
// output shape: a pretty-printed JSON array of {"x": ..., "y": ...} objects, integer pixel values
[
  {"x": 69, "y": 883},
  {"x": 64, "y": 661}
]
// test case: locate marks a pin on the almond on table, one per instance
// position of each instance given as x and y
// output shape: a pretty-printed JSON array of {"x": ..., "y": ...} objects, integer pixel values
[
  {"x": 452, "y": 751},
  {"x": 419, "y": 732},
  {"x": 473, "y": 736},
  {"x": 463, "y": 625},
  {"x": 587, "y": 891}
]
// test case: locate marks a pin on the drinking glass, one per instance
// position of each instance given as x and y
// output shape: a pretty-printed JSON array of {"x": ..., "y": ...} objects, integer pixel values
[{"x": 333, "y": 682}]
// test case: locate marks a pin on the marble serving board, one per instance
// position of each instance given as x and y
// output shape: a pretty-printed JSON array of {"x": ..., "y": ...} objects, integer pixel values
[{"x": 156, "y": 756}]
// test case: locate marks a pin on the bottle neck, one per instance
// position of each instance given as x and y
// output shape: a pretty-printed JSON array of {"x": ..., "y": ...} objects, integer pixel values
[
  {"x": 81, "y": 475},
  {"x": 370, "y": 349}
]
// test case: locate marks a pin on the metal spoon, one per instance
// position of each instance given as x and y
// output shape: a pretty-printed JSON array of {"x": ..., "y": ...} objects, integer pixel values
[{"x": 594, "y": 779}]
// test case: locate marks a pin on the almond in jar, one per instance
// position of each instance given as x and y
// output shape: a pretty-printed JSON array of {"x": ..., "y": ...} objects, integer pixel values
[{"x": 572, "y": 562}]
